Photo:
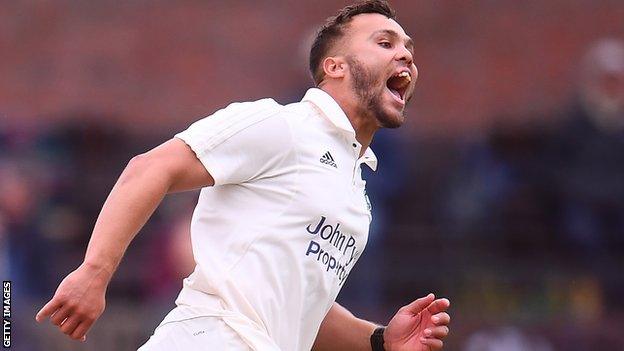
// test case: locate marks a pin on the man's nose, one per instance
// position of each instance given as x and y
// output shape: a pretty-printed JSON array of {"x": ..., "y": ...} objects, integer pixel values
[{"x": 405, "y": 54}]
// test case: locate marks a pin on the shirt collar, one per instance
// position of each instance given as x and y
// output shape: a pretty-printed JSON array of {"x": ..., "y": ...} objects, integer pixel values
[
  {"x": 370, "y": 158},
  {"x": 334, "y": 113},
  {"x": 330, "y": 109}
]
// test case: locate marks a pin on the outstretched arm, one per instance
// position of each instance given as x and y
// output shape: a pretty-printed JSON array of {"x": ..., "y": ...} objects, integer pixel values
[
  {"x": 80, "y": 298},
  {"x": 419, "y": 326}
]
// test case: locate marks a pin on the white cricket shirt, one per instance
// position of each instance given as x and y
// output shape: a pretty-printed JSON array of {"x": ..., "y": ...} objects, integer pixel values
[{"x": 277, "y": 235}]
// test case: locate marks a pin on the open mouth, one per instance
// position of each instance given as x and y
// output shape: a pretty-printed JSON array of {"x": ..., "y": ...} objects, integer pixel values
[{"x": 398, "y": 84}]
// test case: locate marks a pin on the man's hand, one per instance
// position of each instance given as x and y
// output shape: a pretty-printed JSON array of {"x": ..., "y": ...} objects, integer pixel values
[
  {"x": 419, "y": 326},
  {"x": 78, "y": 301}
]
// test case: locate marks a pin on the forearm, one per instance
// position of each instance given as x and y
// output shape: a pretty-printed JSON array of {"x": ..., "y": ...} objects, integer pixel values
[
  {"x": 342, "y": 331},
  {"x": 132, "y": 201}
]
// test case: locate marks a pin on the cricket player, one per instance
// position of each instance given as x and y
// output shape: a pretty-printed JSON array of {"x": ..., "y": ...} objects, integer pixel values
[{"x": 282, "y": 216}]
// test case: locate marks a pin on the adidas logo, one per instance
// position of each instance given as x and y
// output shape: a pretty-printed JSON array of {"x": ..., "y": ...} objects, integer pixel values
[{"x": 328, "y": 160}]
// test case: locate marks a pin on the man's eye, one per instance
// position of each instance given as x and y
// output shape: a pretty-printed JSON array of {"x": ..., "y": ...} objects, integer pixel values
[{"x": 385, "y": 44}]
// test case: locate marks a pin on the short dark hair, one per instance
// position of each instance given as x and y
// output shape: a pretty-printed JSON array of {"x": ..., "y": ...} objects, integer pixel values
[{"x": 333, "y": 30}]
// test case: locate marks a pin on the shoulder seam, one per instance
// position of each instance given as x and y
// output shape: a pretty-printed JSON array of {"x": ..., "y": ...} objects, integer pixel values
[{"x": 231, "y": 130}]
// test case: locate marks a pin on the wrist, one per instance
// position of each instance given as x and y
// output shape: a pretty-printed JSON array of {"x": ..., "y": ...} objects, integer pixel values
[{"x": 98, "y": 270}]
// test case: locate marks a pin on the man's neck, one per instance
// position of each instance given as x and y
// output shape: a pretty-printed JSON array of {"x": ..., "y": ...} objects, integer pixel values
[{"x": 364, "y": 125}]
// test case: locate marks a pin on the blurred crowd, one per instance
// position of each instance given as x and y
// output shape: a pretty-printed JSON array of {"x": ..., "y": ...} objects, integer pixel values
[
  {"x": 519, "y": 222},
  {"x": 54, "y": 182}
]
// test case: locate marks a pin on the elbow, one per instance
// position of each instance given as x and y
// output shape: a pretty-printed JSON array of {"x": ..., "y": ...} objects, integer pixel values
[
  {"x": 139, "y": 161},
  {"x": 137, "y": 166},
  {"x": 147, "y": 168}
]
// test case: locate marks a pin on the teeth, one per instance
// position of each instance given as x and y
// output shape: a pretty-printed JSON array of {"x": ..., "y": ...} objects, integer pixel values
[{"x": 406, "y": 75}]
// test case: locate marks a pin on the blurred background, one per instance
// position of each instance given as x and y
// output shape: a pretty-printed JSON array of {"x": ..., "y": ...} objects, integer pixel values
[{"x": 504, "y": 191}]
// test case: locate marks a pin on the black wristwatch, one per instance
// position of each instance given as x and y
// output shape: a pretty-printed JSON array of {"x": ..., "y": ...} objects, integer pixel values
[{"x": 377, "y": 339}]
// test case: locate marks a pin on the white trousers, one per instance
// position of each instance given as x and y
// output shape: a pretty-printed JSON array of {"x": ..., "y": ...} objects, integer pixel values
[{"x": 195, "y": 334}]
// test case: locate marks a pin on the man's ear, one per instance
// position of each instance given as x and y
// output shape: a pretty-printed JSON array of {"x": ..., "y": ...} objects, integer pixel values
[{"x": 335, "y": 67}]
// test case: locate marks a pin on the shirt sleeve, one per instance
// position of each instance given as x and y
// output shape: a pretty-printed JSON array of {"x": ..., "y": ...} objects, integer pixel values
[{"x": 242, "y": 142}]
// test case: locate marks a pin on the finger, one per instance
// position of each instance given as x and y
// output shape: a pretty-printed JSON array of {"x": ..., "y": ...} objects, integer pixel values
[
  {"x": 441, "y": 318},
  {"x": 70, "y": 325},
  {"x": 420, "y": 304},
  {"x": 47, "y": 310},
  {"x": 434, "y": 344},
  {"x": 439, "y": 305},
  {"x": 81, "y": 331},
  {"x": 59, "y": 316},
  {"x": 437, "y": 332}
]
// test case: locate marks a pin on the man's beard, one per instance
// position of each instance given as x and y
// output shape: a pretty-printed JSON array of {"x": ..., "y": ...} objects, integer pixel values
[{"x": 371, "y": 98}]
